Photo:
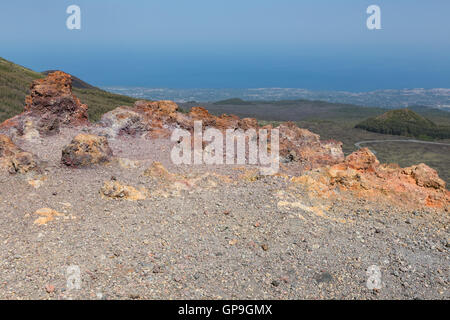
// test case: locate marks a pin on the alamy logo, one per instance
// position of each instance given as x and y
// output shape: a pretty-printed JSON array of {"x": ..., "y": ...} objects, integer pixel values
[
  {"x": 374, "y": 20},
  {"x": 259, "y": 152},
  {"x": 73, "y": 22},
  {"x": 73, "y": 278},
  {"x": 374, "y": 278}
]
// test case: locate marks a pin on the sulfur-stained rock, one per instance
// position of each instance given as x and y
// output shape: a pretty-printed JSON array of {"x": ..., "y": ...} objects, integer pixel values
[
  {"x": 159, "y": 172},
  {"x": 86, "y": 150},
  {"x": 46, "y": 215},
  {"x": 13, "y": 159},
  {"x": 116, "y": 190}
]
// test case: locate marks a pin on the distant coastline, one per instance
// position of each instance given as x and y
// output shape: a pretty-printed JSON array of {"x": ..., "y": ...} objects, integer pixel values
[{"x": 436, "y": 98}]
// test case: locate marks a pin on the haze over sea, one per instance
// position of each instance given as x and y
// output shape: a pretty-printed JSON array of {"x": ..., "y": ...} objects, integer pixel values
[{"x": 321, "y": 45}]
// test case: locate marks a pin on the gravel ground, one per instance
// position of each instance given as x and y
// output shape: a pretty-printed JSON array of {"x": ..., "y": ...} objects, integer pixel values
[{"x": 233, "y": 241}]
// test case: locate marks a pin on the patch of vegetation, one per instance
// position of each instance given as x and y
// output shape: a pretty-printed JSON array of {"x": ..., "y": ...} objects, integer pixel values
[
  {"x": 15, "y": 84},
  {"x": 405, "y": 122},
  {"x": 233, "y": 101},
  {"x": 100, "y": 101}
]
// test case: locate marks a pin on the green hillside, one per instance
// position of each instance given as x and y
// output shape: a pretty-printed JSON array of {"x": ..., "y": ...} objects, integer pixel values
[
  {"x": 234, "y": 101},
  {"x": 15, "y": 83},
  {"x": 405, "y": 122}
]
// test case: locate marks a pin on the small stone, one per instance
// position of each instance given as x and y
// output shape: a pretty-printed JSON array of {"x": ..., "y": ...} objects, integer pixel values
[
  {"x": 134, "y": 296},
  {"x": 157, "y": 269},
  {"x": 50, "y": 288},
  {"x": 324, "y": 277},
  {"x": 275, "y": 283},
  {"x": 265, "y": 247}
]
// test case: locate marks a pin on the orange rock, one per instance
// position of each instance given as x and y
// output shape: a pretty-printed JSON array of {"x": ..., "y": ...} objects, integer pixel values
[
  {"x": 116, "y": 190},
  {"x": 362, "y": 160},
  {"x": 362, "y": 175},
  {"x": 305, "y": 147},
  {"x": 46, "y": 215},
  {"x": 425, "y": 176},
  {"x": 158, "y": 171}
]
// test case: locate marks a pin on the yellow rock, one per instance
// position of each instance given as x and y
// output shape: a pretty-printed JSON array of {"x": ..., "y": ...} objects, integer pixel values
[
  {"x": 46, "y": 215},
  {"x": 158, "y": 171},
  {"x": 116, "y": 190},
  {"x": 37, "y": 183},
  {"x": 127, "y": 163}
]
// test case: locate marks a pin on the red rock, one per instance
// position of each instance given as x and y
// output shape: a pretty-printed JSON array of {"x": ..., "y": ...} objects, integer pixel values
[
  {"x": 49, "y": 106},
  {"x": 53, "y": 95}
]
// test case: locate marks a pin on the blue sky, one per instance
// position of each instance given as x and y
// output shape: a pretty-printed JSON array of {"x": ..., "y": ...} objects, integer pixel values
[{"x": 314, "y": 44}]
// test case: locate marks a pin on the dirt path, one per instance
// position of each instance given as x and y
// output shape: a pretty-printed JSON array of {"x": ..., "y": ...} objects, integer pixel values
[{"x": 358, "y": 144}]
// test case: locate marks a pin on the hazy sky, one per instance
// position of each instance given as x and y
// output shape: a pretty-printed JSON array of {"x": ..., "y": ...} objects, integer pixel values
[{"x": 314, "y": 44}]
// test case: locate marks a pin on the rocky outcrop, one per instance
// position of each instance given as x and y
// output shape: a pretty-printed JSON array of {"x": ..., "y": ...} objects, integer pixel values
[
  {"x": 222, "y": 122},
  {"x": 158, "y": 119},
  {"x": 50, "y": 105},
  {"x": 362, "y": 175},
  {"x": 86, "y": 150},
  {"x": 424, "y": 176},
  {"x": 124, "y": 121},
  {"x": 145, "y": 119},
  {"x": 301, "y": 145},
  {"x": 13, "y": 159}
]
